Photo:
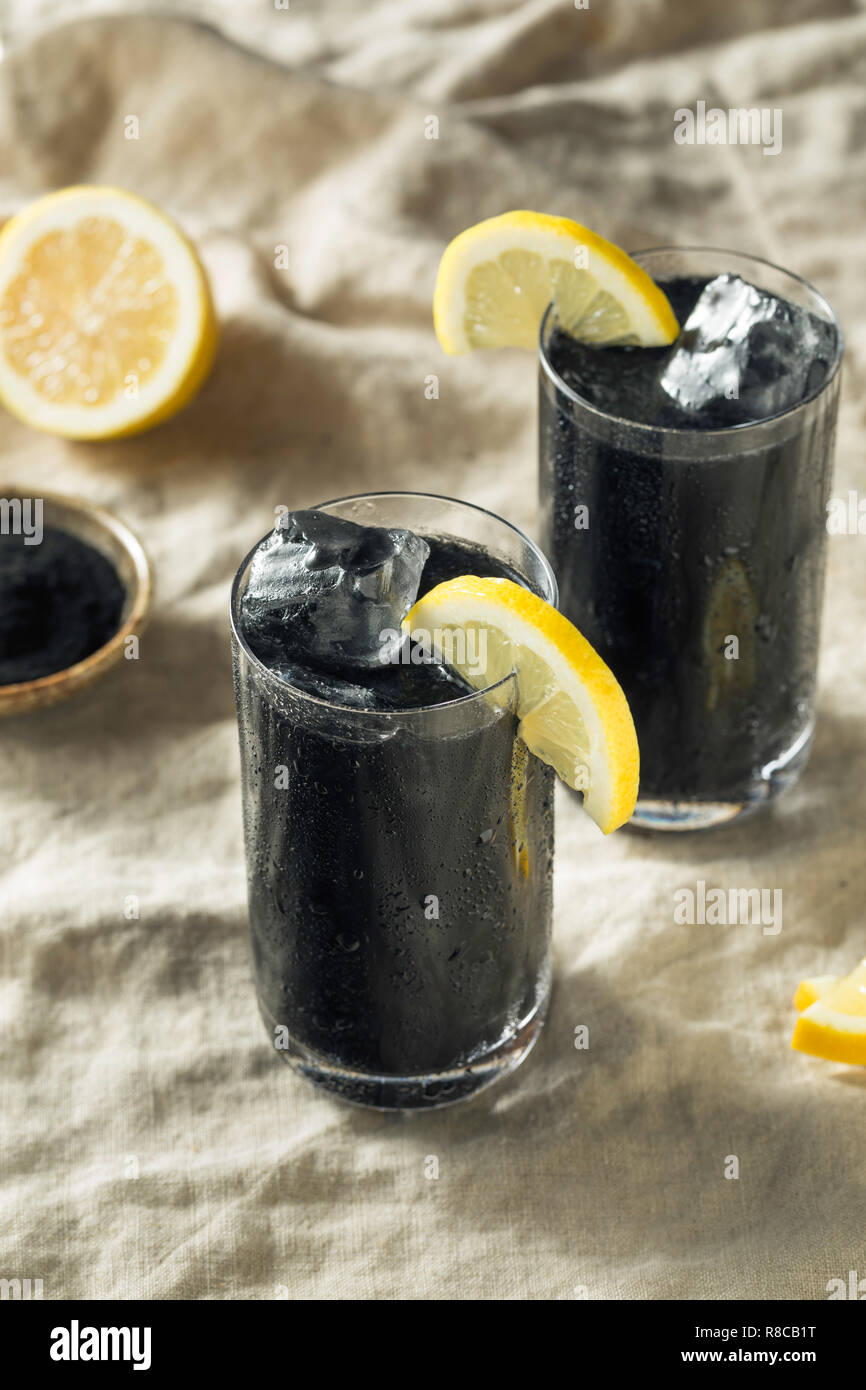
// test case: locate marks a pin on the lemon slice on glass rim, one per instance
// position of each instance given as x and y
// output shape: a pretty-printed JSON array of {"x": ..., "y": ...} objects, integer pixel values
[
  {"x": 106, "y": 320},
  {"x": 497, "y": 278},
  {"x": 572, "y": 712}
]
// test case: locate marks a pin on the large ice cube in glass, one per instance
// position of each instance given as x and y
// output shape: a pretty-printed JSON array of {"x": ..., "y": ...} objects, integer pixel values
[
  {"x": 743, "y": 354},
  {"x": 327, "y": 591}
]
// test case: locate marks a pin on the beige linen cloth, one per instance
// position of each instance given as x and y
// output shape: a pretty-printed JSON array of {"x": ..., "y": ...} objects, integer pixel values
[{"x": 152, "y": 1145}]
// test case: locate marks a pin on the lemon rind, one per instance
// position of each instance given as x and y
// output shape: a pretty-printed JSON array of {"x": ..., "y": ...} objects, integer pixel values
[
  {"x": 576, "y": 667},
  {"x": 824, "y": 1032}
]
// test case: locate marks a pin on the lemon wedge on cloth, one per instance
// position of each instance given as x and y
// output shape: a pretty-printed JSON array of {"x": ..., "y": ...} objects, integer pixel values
[
  {"x": 497, "y": 278},
  {"x": 573, "y": 714},
  {"x": 811, "y": 989},
  {"x": 832, "y": 1023},
  {"x": 106, "y": 320}
]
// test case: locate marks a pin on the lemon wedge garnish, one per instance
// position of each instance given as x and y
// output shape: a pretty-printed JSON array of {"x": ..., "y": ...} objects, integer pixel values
[
  {"x": 833, "y": 1023},
  {"x": 573, "y": 714},
  {"x": 106, "y": 321},
  {"x": 815, "y": 987},
  {"x": 497, "y": 278}
]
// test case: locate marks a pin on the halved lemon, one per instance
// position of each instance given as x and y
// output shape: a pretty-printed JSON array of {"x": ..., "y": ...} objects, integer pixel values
[
  {"x": 572, "y": 712},
  {"x": 833, "y": 1024},
  {"x": 106, "y": 320},
  {"x": 497, "y": 278}
]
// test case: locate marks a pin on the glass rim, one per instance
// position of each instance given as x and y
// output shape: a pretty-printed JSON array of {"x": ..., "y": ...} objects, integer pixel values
[
  {"x": 681, "y": 431},
  {"x": 351, "y": 711}
]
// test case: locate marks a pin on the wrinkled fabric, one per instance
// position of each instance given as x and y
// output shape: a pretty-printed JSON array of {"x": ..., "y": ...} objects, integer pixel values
[{"x": 151, "y": 1143}]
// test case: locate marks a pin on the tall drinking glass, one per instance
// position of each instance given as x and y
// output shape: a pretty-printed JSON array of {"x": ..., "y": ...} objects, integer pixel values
[
  {"x": 692, "y": 557},
  {"x": 399, "y": 860}
]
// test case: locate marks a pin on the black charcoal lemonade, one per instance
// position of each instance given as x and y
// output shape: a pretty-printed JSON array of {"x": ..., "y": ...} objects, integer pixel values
[
  {"x": 684, "y": 495},
  {"x": 399, "y": 835}
]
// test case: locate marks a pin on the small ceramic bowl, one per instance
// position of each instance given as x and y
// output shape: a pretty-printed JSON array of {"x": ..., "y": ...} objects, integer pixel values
[{"x": 114, "y": 539}]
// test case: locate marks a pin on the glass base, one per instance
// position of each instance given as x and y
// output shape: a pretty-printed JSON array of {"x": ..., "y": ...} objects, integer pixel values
[
  {"x": 772, "y": 781},
  {"x": 427, "y": 1092}
]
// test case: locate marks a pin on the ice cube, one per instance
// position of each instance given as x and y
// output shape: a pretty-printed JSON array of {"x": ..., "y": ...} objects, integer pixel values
[
  {"x": 336, "y": 690},
  {"x": 331, "y": 592},
  {"x": 743, "y": 354}
]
